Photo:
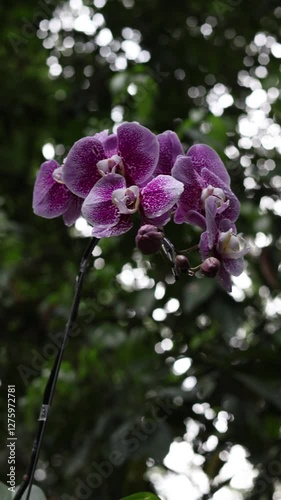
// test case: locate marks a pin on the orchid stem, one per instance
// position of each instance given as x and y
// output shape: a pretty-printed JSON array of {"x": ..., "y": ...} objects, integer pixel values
[
  {"x": 170, "y": 253},
  {"x": 51, "y": 384},
  {"x": 188, "y": 250},
  {"x": 193, "y": 270}
]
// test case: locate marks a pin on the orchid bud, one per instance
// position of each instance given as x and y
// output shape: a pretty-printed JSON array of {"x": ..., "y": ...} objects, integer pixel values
[
  {"x": 149, "y": 239},
  {"x": 210, "y": 267},
  {"x": 182, "y": 263}
]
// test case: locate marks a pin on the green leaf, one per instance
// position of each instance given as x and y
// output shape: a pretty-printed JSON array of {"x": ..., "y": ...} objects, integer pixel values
[
  {"x": 141, "y": 496},
  {"x": 36, "y": 494},
  {"x": 270, "y": 392},
  {"x": 196, "y": 293},
  {"x": 5, "y": 494}
]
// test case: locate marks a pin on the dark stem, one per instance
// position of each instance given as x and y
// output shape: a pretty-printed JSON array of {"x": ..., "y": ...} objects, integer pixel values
[
  {"x": 51, "y": 384},
  {"x": 169, "y": 251}
]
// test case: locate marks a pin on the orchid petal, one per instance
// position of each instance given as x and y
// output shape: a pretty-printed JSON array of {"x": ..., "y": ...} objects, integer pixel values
[
  {"x": 104, "y": 214},
  {"x": 204, "y": 156},
  {"x": 225, "y": 225},
  {"x": 210, "y": 213},
  {"x": 109, "y": 142},
  {"x": 160, "y": 195},
  {"x": 98, "y": 208},
  {"x": 183, "y": 171},
  {"x": 73, "y": 210},
  {"x": 204, "y": 246},
  {"x": 80, "y": 171},
  {"x": 110, "y": 145},
  {"x": 123, "y": 225},
  {"x": 234, "y": 266},
  {"x": 193, "y": 217},
  {"x": 139, "y": 150},
  {"x": 101, "y": 136},
  {"x": 170, "y": 148},
  {"x": 160, "y": 221},
  {"x": 50, "y": 198},
  {"x": 45, "y": 179},
  {"x": 224, "y": 279}
]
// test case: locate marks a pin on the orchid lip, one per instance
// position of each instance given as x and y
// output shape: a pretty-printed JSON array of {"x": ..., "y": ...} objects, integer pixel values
[
  {"x": 113, "y": 165},
  {"x": 127, "y": 200},
  {"x": 218, "y": 193},
  {"x": 222, "y": 207},
  {"x": 58, "y": 175},
  {"x": 231, "y": 246}
]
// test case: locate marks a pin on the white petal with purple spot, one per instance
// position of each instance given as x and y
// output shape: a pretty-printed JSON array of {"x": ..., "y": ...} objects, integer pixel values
[{"x": 160, "y": 195}]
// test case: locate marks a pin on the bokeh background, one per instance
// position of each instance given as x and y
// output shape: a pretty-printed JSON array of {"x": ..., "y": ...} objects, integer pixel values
[{"x": 209, "y": 362}]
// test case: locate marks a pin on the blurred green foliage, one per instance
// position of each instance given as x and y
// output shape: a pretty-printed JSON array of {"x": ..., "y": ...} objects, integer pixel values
[{"x": 117, "y": 372}]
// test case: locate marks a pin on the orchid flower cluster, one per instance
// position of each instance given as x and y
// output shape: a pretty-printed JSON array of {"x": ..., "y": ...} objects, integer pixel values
[{"x": 107, "y": 178}]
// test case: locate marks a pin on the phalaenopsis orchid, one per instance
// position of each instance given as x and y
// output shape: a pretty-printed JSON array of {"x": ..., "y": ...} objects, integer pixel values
[
  {"x": 107, "y": 178},
  {"x": 132, "y": 175}
]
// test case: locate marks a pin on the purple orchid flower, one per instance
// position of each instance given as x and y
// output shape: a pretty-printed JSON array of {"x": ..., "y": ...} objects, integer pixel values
[
  {"x": 203, "y": 174},
  {"x": 223, "y": 243},
  {"x": 133, "y": 153},
  {"x": 51, "y": 198},
  {"x": 170, "y": 148},
  {"x": 111, "y": 202}
]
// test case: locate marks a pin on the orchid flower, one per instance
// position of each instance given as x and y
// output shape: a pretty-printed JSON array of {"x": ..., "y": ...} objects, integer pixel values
[
  {"x": 132, "y": 152},
  {"x": 111, "y": 203},
  {"x": 51, "y": 198},
  {"x": 203, "y": 174},
  {"x": 223, "y": 243},
  {"x": 109, "y": 178}
]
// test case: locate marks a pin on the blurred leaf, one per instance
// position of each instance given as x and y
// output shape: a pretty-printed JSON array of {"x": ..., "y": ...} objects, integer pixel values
[
  {"x": 196, "y": 293},
  {"x": 270, "y": 392},
  {"x": 5, "y": 494},
  {"x": 229, "y": 316}
]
